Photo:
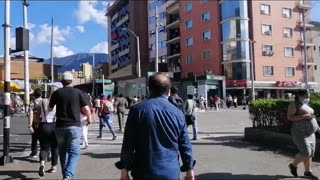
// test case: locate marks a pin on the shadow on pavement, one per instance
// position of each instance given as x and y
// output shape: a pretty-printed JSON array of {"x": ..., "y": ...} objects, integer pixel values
[
  {"x": 238, "y": 176},
  {"x": 239, "y": 142},
  {"x": 213, "y": 133},
  {"x": 27, "y": 159},
  {"x": 103, "y": 156},
  {"x": 16, "y": 174}
]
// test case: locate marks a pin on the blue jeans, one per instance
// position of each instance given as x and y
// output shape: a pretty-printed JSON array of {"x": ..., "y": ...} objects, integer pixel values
[
  {"x": 195, "y": 127},
  {"x": 69, "y": 149},
  {"x": 108, "y": 120}
]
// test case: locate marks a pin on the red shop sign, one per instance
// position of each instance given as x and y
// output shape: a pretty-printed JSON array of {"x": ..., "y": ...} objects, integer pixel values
[
  {"x": 236, "y": 83},
  {"x": 287, "y": 84}
]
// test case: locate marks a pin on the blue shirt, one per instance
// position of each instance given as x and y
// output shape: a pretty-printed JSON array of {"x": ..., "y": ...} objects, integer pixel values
[{"x": 155, "y": 134}]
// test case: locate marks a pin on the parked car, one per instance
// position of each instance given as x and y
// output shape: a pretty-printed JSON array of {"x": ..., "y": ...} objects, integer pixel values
[{"x": 12, "y": 105}]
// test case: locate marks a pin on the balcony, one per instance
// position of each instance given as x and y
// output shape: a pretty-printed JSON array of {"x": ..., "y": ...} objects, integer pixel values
[
  {"x": 308, "y": 44},
  {"x": 304, "y": 5},
  {"x": 124, "y": 52},
  {"x": 123, "y": 20},
  {"x": 173, "y": 8},
  {"x": 173, "y": 22},
  {"x": 174, "y": 40},
  {"x": 310, "y": 62},
  {"x": 308, "y": 24},
  {"x": 114, "y": 47}
]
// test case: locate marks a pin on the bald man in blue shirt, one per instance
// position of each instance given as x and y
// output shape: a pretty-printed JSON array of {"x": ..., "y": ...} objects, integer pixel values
[{"x": 155, "y": 134}]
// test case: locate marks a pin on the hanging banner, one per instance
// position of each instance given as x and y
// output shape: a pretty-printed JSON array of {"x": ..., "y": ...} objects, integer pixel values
[{"x": 108, "y": 89}]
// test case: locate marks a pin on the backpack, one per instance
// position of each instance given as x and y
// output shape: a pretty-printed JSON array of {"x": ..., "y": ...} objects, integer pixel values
[
  {"x": 107, "y": 107},
  {"x": 36, "y": 114}
]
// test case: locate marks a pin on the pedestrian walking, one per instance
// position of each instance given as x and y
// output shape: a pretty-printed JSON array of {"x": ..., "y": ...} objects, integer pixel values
[
  {"x": 155, "y": 135},
  {"x": 84, "y": 125},
  {"x": 217, "y": 102},
  {"x": 33, "y": 121},
  {"x": 304, "y": 126},
  {"x": 47, "y": 136},
  {"x": 121, "y": 106},
  {"x": 235, "y": 102},
  {"x": 69, "y": 101},
  {"x": 96, "y": 104},
  {"x": 229, "y": 101},
  {"x": 190, "y": 113},
  {"x": 175, "y": 99},
  {"x": 106, "y": 114},
  {"x": 102, "y": 124}
]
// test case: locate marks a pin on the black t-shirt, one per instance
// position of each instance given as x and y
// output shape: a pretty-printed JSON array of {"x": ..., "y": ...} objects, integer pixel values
[{"x": 68, "y": 101}]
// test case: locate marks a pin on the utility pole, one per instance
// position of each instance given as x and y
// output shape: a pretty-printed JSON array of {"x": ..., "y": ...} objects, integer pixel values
[
  {"x": 253, "y": 95},
  {"x": 51, "y": 52},
  {"x": 305, "y": 70},
  {"x": 26, "y": 60},
  {"x": 157, "y": 41},
  {"x": 138, "y": 54},
  {"x": 93, "y": 75},
  {"x": 103, "y": 84},
  {"x": 6, "y": 158}
]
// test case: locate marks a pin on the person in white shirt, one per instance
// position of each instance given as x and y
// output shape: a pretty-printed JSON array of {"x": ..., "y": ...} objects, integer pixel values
[
  {"x": 47, "y": 136},
  {"x": 84, "y": 126}
]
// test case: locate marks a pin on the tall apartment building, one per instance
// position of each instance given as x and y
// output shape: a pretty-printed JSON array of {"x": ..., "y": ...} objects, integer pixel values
[
  {"x": 315, "y": 34},
  {"x": 161, "y": 21},
  {"x": 125, "y": 16}
]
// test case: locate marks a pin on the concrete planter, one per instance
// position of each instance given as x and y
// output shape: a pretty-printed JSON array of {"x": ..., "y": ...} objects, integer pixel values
[{"x": 275, "y": 139}]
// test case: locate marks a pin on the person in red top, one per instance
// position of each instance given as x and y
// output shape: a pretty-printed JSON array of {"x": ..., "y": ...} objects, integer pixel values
[{"x": 105, "y": 114}]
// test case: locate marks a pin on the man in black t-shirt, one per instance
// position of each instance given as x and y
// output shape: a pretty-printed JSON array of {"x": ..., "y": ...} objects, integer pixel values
[{"x": 69, "y": 102}]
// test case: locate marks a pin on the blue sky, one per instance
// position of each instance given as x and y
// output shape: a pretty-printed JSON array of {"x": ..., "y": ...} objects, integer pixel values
[{"x": 80, "y": 26}]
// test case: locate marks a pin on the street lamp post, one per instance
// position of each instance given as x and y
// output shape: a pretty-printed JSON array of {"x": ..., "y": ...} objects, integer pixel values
[
  {"x": 305, "y": 69},
  {"x": 157, "y": 41},
  {"x": 253, "y": 95},
  {"x": 26, "y": 60},
  {"x": 6, "y": 158},
  {"x": 138, "y": 49}
]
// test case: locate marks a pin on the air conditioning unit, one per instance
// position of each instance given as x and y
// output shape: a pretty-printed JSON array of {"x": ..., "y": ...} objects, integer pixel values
[
  {"x": 286, "y": 15},
  {"x": 287, "y": 35},
  {"x": 267, "y": 32},
  {"x": 268, "y": 53}
]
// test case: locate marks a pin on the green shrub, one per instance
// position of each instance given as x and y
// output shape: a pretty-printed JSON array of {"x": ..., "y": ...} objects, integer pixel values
[{"x": 273, "y": 112}]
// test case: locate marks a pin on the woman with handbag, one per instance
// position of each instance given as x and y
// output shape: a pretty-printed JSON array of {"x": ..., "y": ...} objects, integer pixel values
[
  {"x": 47, "y": 137},
  {"x": 304, "y": 126}
]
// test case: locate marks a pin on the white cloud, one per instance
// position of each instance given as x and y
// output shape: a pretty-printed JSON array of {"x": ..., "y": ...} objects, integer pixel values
[
  {"x": 80, "y": 29},
  {"x": 59, "y": 34},
  {"x": 31, "y": 26},
  {"x": 61, "y": 51},
  {"x": 87, "y": 11},
  {"x": 101, "y": 47}
]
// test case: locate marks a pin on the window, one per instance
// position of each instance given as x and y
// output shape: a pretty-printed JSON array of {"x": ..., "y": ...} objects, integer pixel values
[
  {"x": 206, "y": 35},
  {"x": 206, "y": 55},
  {"x": 288, "y": 52},
  {"x": 265, "y": 9},
  {"x": 162, "y": 44},
  {"x": 162, "y": 15},
  {"x": 266, "y": 29},
  {"x": 286, "y": 12},
  {"x": 268, "y": 70},
  {"x": 315, "y": 67},
  {"x": 162, "y": 30},
  {"x": 152, "y": 47},
  {"x": 190, "y": 42},
  {"x": 156, "y": 4},
  {"x": 267, "y": 50},
  {"x": 152, "y": 33},
  {"x": 189, "y": 24},
  {"x": 287, "y": 32},
  {"x": 289, "y": 71},
  {"x": 190, "y": 60},
  {"x": 206, "y": 16},
  {"x": 203, "y": 1},
  {"x": 152, "y": 20},
  {"x": 188, "y": 7}
]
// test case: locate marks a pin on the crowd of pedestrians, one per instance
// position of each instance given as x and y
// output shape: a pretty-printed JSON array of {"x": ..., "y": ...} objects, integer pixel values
[{"x": 155, "y": 132}]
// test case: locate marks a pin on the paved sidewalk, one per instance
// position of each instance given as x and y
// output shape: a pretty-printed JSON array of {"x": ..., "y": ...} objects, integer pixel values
[{"x": 221, "y": 153}]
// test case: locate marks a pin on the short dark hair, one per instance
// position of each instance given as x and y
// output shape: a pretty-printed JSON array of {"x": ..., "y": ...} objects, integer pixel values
[
  {"x": 190, "y": 96},
  {"x": 121, "y": 95},
  {"x": 66, "y": 82},
  {"x": 159, "y": 84},
  {"x": 174, "y": 90},
  {"x": 37, "y": 93}
]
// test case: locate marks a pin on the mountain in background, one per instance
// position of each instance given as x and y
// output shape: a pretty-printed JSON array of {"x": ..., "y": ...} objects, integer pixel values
[{"x": 74, "y": 61}]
